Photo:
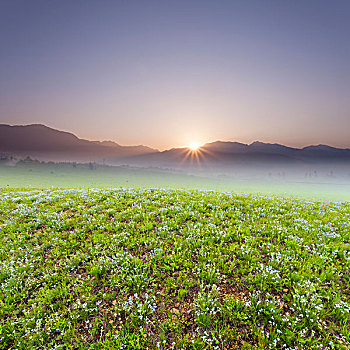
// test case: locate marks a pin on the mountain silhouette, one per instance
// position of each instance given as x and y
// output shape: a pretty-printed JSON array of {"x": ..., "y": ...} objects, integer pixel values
[
  {"x": 225, "y": 153},
  {"x": 44, "y": 143}
]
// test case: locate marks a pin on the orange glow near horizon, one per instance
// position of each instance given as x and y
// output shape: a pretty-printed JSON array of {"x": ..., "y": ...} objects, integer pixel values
[
  {"x": 195, "y": 154},
  {"x": 193, "y": 146}
]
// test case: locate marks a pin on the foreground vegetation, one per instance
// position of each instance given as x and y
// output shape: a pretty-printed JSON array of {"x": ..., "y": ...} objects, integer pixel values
[{"x": 172, "y": 269}]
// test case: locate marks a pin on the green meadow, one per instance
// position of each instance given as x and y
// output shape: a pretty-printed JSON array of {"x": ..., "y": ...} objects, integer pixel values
[
  {"x": 172, "y": 269},
  {"x": 36, "y": 175}
]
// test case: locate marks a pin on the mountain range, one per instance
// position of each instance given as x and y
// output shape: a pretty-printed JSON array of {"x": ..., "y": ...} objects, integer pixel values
[{"x": 44, "y": 143}]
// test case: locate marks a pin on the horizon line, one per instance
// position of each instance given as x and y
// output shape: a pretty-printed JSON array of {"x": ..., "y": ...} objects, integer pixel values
[{"x": 175, "y": 147}]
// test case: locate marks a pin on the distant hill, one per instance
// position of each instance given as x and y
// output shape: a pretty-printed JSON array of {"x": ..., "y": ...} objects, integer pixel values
[
  {"x": 273, "y": 151},
  {"x": 44, "y": 143},
  {"x": 225, "y": 154}
]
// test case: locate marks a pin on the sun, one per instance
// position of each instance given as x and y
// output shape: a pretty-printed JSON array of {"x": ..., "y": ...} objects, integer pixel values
[{"x": 193, "y": 146}]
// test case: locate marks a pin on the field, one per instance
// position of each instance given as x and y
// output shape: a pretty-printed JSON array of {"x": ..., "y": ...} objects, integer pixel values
[
  {"x": 62, "y": 175},
  {"x": 172, "y": 269}
]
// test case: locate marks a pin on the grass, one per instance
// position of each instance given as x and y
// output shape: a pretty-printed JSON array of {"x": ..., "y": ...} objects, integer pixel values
[
  {"x": 172, "y": 269},
  {"x": 63, "y": 175}
]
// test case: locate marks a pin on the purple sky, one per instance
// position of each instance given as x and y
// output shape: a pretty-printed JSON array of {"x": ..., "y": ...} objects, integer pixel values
[{"x": 165, "y": 73}]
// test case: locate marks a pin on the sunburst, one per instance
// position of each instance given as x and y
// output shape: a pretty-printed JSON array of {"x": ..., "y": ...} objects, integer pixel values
[
  {"x": 193, "y": 146},
  {"x": 195, "y": 153}
]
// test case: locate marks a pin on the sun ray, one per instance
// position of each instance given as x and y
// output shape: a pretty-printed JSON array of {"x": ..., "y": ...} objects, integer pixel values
[
  {"x": 194, "y": 146},
  {"x": 195, "y": 155}
]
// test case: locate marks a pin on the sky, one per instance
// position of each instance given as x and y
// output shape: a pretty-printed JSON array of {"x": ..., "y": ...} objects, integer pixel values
[{"x": 168, "y": 73}]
